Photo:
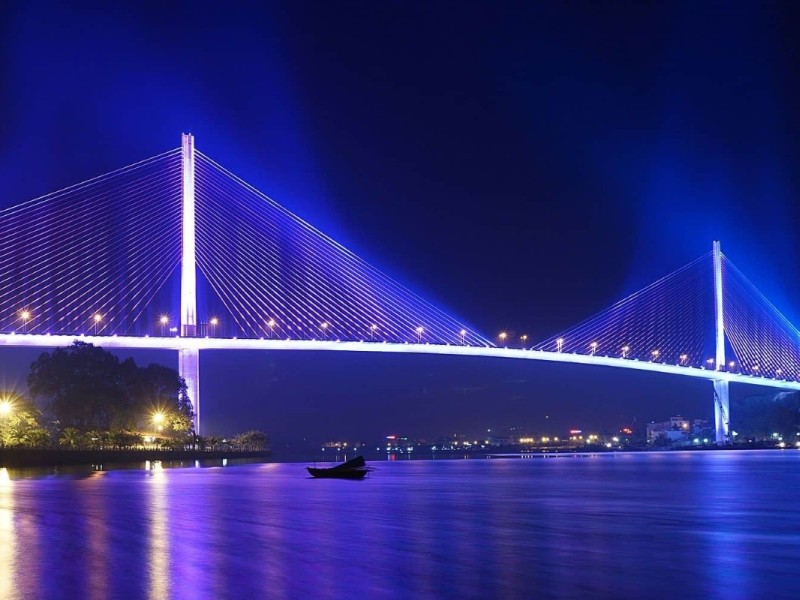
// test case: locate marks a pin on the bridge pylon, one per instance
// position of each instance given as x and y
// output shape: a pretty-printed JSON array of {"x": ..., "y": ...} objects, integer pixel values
[
  {"x": 189, "y": 359},
  {"x": 721, "y": 395}
]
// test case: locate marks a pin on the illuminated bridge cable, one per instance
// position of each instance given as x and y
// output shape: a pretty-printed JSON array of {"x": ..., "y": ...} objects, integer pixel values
[
  {"x": 764, "y": 340},
  {"x": 91, "y": 257},
  {"x": 667, "y": 321},
  {"x": 291, "y": 287},
  {"x": 264, "y": 263}
]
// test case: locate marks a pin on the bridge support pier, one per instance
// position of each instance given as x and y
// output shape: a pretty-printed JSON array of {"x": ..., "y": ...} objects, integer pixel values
[
  {"x": 189, "y": 369},
  {"x": 722, "y": 412}
]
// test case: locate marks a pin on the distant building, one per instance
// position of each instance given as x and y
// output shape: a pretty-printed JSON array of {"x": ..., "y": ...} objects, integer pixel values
[{"x": 677, "y": 431}]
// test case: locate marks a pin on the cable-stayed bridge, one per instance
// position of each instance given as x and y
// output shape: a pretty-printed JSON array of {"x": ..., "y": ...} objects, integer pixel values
[{"x": 175, "y": 252}]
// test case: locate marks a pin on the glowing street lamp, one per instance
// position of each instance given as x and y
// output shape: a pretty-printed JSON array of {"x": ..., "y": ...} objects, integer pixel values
[
  {"x": 710, "y": 362},
  {"x": 271, "y": 325},
  {"x": 6, "y": 407},
  {"x": 372, "y": 329},
  {"x": 524, "y": 338},
  {"x": 655, "y": 354},
  {"x": 625, "y": 350},
  {"x": 592, "y": 348},
  {"x": 778, "y": 372},
  {"x": 97, "y": 318},
  {"x": 420, "y": 330},
  {"x": 164, "y": 320},
  {"x": 503, "y": 335},
  {"x": 731, "y": 365},
  {"x": 324, "y": 326},
  {"x": 684, "y": 358},
  {"x": 158, "y": 418},
  {"x": 463, "y": 334},
  {"x": 559, "y": 344},
  {"x": 25, "y": 315},
  {"x": 213, "y": 321}
]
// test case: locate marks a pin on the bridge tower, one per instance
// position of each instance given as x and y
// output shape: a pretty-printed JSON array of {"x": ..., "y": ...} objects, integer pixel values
[
  {"x": 721, "y": 391},
  {"x": 189, "y": 358}
]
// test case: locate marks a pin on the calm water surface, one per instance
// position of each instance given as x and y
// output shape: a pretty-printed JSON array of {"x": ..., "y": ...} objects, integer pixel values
[{"x": 677, "y": 525}]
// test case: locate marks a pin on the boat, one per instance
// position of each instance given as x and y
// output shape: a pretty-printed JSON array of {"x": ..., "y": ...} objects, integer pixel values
[{"x": 355, "y": 468}]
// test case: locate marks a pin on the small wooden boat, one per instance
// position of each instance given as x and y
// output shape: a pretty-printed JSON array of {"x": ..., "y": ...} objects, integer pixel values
[{"x": 352, "y": 469}]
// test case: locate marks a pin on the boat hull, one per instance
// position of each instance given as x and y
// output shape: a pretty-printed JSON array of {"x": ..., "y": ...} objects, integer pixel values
[{"x": 337, "y": 473}]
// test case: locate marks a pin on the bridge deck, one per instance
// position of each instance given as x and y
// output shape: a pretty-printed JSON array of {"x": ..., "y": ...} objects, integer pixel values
[{"x": 178, "y": 343}]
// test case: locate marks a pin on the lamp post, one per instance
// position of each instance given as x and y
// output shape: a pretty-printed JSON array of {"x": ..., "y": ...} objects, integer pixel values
[
  {"x": 420, "y": 330},
  {"x": 463, "y": 334},
  {"x": 503, "y": 335},
  {"x": 97, "y": 319},
  {"x": 592, "y": 348},
  {"x": 164, "y": 320},
  {"x": 25, "y": 315},
  {"x": 271, "y": 325},
  {"x": 372, "y": 329},
  {"x": 524, "y": 339},
  {"x": 625, "y": 350},
  {"x": 559, "y": 344},
  {"x": 213, "y": 322},
  {"x": 324, "y": 327}
]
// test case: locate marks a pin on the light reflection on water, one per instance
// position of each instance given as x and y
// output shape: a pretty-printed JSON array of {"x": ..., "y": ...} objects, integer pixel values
[{"x": 710, "y": 524}]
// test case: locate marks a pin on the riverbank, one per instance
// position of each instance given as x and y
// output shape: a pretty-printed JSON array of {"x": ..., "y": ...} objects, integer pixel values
[{"x": 26, "y": 457}]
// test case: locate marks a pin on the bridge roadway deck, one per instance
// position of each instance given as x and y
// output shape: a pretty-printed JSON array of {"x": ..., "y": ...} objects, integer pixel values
[{"x": 207, "y": 343}]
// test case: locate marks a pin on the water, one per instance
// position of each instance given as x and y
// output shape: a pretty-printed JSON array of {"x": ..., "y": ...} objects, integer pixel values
[{"x": 692, "y": 525}]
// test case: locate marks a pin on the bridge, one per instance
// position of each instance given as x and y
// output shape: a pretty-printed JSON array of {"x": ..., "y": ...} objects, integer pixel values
[{"x": 176, "y": 252}]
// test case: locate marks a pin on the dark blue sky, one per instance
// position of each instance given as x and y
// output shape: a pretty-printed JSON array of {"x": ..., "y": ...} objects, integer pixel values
[{"x": 524, "y": 165}]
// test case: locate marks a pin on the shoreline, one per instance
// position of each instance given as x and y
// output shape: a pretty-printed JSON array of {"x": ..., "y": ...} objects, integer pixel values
[{"x": 27, "y": 457}]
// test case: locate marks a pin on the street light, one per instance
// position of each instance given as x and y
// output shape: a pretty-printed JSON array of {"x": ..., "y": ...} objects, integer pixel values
[
  {"x": 592, "y": 348},
  {"x": 463, "y": 334},
  {"x": 97, "y": 319},
  {"x": 655, "y": 354},
  {"x": 420, "y": 330},
  {"x": 213, "y": 321},
  {"x": 372, "y": 329},
  {"x": 163, "y": 320},
  {"x": 524, "y": 338},
  {"x": 684, "y": 358},
  {"x": 25, "y": 315},
  {"x": 324, "y": 327},
  {"x": 271, "y": 325},
  {"x": 625, "y": 350},
  {"x": 503, "y": 335},
  {"x": 559, "y": 344},
  {"x": 6, "y": 406},
  {"x": 158, "y": 420}
]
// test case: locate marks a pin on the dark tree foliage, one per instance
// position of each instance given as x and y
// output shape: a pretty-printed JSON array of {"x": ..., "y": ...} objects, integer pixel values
[
  {"x": 762, "y": 416},
  {"x": 87, "y": 388}
]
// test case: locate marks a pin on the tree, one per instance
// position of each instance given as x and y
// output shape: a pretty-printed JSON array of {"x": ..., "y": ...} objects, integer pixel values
[
  {"x": 20, "y": 423},
  {"x": 80, "y": 385},
  {"x": 72, "y": 438},
  {"x": 87, "y": 388}
]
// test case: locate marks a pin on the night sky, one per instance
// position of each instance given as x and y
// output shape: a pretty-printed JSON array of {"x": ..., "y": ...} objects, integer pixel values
[{"x": 522, "y": 165}]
